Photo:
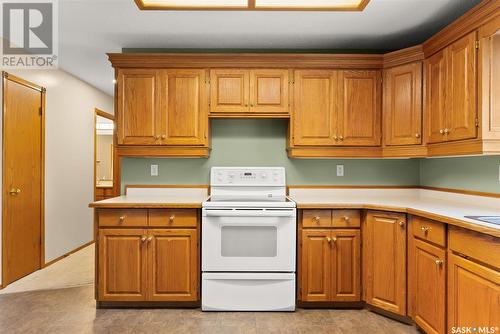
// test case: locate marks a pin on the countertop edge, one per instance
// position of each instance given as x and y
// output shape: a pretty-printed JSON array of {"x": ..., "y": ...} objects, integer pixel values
[{"x": 145, "y": 205}]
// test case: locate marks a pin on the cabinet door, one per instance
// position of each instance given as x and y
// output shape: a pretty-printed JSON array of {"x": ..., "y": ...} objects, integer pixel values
[
  {"x": 122, "y": 265},
  {"x": 384, "y": 261},
  {"x": 346, "y": 265},
  {"x": 428, "y": 288},
  {"x": 473, "y": 294},
  {"x": 403, "y": 105},
  {"x": 435, "y": 94},
  {"x": 314, "y": 119},
  {"x": 138, "y": 109},
  {"x": 173, "y": 265},
  {"x": 462, "y": 88},
  {"x": 184, "y": 112},
  {"x": 359, "y": 108},
  {"x": 269, "y": 91},
  {"x": 315, "y": 276},
  {"x": 229, "y": 91}
]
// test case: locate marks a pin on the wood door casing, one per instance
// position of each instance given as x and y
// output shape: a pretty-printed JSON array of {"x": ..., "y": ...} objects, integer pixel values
[
  {"x": 23, "y": 175},
  {"x": 269, "y": 91},
  {"x": 428, "y": 286},
  {"x": 462, "y": 88},
  {"x": 315, "y": 276},
  {"x": 229, "y": 91},
  {"x": 122, "y": 267},
  {"x": 473, "y": 294},
  {"x": 314, "y": 116},
  {"x": 403, "y": 105},
  {"x": 384, "y": 261},
  {"x": 138, "y": 107},
  {"x": 346, "y": 265},
  {"x": 184, "y": 107},
  {"x": 173, "y": 265},
  {"x": 359, "y": 108},
  {"x": 435, "y": 95}
]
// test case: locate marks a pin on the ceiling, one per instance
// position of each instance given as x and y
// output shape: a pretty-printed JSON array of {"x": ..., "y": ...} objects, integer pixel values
[{"x": 90, "y": 28}]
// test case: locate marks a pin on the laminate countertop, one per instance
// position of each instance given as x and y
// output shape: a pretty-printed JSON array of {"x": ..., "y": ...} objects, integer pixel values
[
  {"x": 442, "y": 206},
  {"x": 145, "y": 202}
]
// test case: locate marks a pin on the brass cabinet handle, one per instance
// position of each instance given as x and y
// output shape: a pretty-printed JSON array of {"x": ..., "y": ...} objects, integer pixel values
[
  {"x": 171, "y": 218},
  {"x": 317, "y": 219},
  {"x": 14, "y": 191},
  {"x": 441, "y": 131},
  {"x": 439, "y": 262},
  {"x": 334, "y": 239},
  {"x": 341, "y": 138},
  {"x": 346, "y": 218},
  {"x": 144, "y": 238},
  {"x": 149, "y": 239},
  {"x": 335, "y": 137},
  {"x": 328, "y": 239},
  {"x": 157, "y": 137},
  {"x": 417, "y": 135},
  {"x": 446, "y": 131},
  {"x": 163, "y": 136},
  {"x": 402, "y": 223},
  {"x": 122, "y": 218},
  {"x": 426, "y": 229}
]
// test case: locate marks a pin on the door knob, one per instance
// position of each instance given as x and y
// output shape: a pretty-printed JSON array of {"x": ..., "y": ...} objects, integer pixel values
[{"x": 14, "y": 191}]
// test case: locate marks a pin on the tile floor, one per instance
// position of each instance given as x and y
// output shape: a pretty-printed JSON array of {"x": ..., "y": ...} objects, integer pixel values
[{"x": 70, "y": 309}]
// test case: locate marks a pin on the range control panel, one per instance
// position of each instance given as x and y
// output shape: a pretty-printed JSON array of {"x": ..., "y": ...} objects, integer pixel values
[{"x": 248, "y": 176}]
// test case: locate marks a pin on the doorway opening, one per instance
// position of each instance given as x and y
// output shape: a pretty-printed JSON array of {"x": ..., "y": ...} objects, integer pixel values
[{"x": 103, "y": 155}]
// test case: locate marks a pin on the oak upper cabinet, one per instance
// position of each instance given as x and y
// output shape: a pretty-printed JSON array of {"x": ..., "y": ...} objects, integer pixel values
[
  {"x": 451, "y": 92},
  {"x": 435, "y": 76},
  {"x": 359, "y": 106},
  {"x": 384, "y": 261},
  {"x": 402, "y": 105},
  {"x": 315, "y": 257},
  {"x": 269, "y": 91},
  {"x": 229, "y": 91},
  {"x": 174, "y": 267},
  {"x": 122, "y": 265},
  {"x": 428, "y": 275},
  {"x": 240, "y": 91},
  {"x": 314, "y": 119},
  {"x": 184, "y": 107},
  {"x": 138, "y": 107}
]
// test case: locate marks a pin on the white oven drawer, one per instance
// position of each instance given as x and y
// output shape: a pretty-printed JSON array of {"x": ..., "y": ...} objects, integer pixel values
[{"x": 248, "y": 292}]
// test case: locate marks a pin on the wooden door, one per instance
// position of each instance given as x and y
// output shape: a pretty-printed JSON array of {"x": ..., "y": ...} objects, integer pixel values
[
  {"x": 173, "y": 265},
  {"x": 403, "y": 105},
  {"x": 346, "y": 265},
  {"x": 184, "y": 107},
  {"x": 269, "y": 91},
  {"x": 22, "y": 177},
  {"x": 384, "y": 261},
  {"x": 122, "y": 265},
  {"x": 462, "y": 89},
  {"x": 229, "y": 91},
  {"x": 315, "y": 257},
  {"x": 138, "y": 107},
  {"x": 314, "y": 120},
  {"x": 359, "y": 108},
  {"x": 428, "y": 275},
  {"x": 473, "y": 294},
  {"x": 435, "y": 95}
]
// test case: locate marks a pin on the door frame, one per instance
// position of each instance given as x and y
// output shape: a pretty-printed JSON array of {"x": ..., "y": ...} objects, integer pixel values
[
  {"x": 99, "y": 112},
  {"x": 5, "y": 77}
]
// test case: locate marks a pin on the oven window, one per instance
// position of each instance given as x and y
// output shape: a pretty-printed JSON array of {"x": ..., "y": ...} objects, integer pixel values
[{"x": 249, "y": 241}]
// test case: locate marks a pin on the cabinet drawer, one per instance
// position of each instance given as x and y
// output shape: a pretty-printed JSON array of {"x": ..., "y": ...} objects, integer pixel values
[
  {"x": 482, "y": 247},
  {"x": 346, "y": 218},
  {"x": 317, "y": 218},
  {"x": 173, "y": 217},
  {"x": 123, "y": 218},
  {"x": 429, "y": 230}
]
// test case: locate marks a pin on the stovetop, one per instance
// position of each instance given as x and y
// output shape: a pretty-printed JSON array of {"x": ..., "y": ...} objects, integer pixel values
[{"x": 238, "y": 203}]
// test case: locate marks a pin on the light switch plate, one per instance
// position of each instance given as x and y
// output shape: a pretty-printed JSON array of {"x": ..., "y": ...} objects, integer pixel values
[
  {"x": 154, "y": 170},
  {"x": 340, "y": 170}
]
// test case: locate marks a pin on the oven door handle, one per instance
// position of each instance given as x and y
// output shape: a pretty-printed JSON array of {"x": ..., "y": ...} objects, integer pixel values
[{"x": 249, "y": 213}]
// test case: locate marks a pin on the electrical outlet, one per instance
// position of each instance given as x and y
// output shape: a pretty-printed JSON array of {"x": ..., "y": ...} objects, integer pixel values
[
  {"x": 154, "y": 170},
  {"x": 340, "y": 170}
]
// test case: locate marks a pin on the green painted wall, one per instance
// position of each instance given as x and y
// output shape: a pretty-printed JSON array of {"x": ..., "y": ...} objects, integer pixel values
[
  {"x": 252, "y": 142},
  {"x": 469, "y": 173}
]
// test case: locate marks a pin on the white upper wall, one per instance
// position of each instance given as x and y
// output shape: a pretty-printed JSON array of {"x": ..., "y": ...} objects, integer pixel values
[{"x": 69, "y": 157}]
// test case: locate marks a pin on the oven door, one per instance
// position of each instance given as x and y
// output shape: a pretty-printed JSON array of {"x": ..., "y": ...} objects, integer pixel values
[{"x": 248, "y": 239}]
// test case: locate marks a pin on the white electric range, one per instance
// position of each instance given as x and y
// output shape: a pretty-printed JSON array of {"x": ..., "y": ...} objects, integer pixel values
[{"x": 248, "y": 241}]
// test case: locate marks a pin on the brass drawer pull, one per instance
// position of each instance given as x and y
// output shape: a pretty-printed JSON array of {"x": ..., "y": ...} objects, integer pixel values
[
  {"x": 439, "y": 262},
  {"x": 317, "y": 219},
  {"x": 346, "y": 218},
  {"x": 171, "y": 218},
  {"x": 144, "y": 238},
  {"x": 426, "y": 229},
  {"x": 122, "y": 218},
  {"x": 402, "y": 223}
]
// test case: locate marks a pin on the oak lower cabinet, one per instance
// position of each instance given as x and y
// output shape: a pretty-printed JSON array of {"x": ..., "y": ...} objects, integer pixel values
[
  {"x": 147, "y": 264},
  {"x": 384, "y": 261},
  {"x": 330, "y": 263}
]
